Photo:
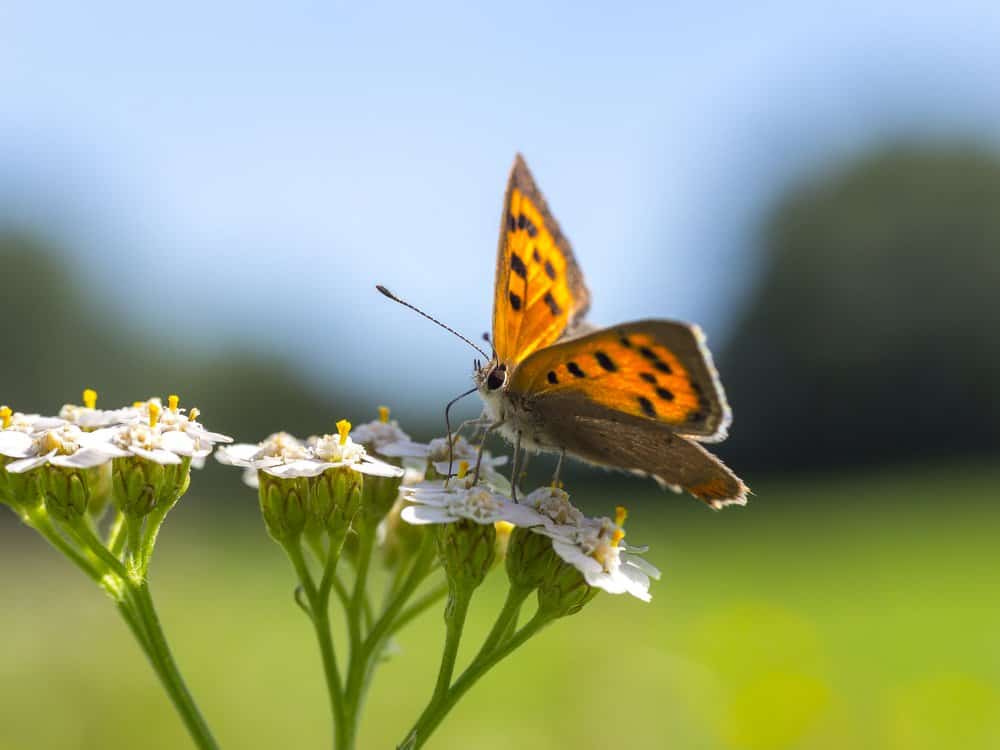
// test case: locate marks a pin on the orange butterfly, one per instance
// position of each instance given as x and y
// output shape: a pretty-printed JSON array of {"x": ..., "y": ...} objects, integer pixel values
[{"x": 637, "y": 396}]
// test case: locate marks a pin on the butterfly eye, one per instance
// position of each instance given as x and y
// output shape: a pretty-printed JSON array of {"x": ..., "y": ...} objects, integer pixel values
[{"x": 496, "y": 379}]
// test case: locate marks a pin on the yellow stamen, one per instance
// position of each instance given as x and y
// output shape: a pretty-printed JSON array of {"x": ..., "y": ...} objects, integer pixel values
[
  {"x": 344, "y": 428},
  {"x": 621, "y": 513},
  {"x": 463, "y": 469},
  {"x": 383, "y": 414},
  {"x": 90, "y": 398},
  {"x": 5, "y": 415},
  {"x": 503, "y": 527},
  {"x": 194, "y": 414},
  {"x": 138, "y": 404},
  {"x": 173, "y": 401},
  {"x": 616, "y": 537},
  {"x": 154, "y": 413}
]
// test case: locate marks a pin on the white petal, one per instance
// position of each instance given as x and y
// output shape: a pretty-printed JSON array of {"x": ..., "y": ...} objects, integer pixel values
[
  {"x": 522, "y": 515},
  {"x": 379, "y": 469},
  {"x": 27, "y": 464},
  {"x": 250, "y": 478},
  {"x": 14, "y": 444},
  {"x": 85, "y": 458},
  {"x": 178, "y": 442},
  {"x": 642, "y": 564},
  {"x": 571, "y": 554},
  {"x": 240, "y": 454},
  {"x": 419, "y": 515},
  {"x": 610, "y": 583},
  {"x": 158, "y": 456},
  {"x": 293, "y": 469}
]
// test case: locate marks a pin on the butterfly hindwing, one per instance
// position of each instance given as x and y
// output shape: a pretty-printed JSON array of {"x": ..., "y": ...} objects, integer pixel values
[
  {"x": 655, "y": 370},
  {"x": 540, "y": 291},
  {"x": 624, "y": 442}
]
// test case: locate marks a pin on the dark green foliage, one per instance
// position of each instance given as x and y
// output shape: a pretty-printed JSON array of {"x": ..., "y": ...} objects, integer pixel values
[{"x": 872, "y": 334}]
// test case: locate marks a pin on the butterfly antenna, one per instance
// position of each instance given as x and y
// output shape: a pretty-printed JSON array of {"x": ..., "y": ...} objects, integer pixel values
[{"x": 417, "y": 310}]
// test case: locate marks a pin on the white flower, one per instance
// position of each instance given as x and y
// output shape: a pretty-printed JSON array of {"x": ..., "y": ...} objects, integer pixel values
[
  {"x": 436, "y": 454},
  {"x": 164, "y": 441},
  {"x": 67, "y": 446},
  {"x": 435, "y": 503},
  {"x": 89, "y": 417},
  {"x": 554, "y": 505},
  {"x": 16, "y": 421},
  {"x": 380, "y": 433},
  {"x": 595, "y": 548},
  {"x": 284, "y": 456}
]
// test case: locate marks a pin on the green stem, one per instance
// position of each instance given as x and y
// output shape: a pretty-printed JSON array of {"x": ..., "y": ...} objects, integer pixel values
[
  {"x": 319, "y": 604},
  {"x": 39, "y": 520},
  {"x": 434, "y": 714},
  {"x": 454, "y": 618},
  {"x": 507, "y": 617},
  {"x": 116, "y": 537},
  {"x": 360, "y": 655},
  {"x": 169, "y": 673}
]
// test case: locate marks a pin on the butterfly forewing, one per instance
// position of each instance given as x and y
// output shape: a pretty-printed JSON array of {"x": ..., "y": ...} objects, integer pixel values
[
  {"x": 539, "y": 287},
  {"x": 653, "y": 370}
]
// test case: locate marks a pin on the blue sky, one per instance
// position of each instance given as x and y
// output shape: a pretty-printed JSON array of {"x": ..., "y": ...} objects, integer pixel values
[{"x": 262, "y": 167}]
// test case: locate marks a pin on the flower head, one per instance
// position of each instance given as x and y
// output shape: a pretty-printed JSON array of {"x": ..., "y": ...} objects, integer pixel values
[
  {"x": 596, "y": 548},
  {"x": 89, "y": 417},
  {"x": 437, "y": 455},
  {"x": 436, "y": 503},
  {"x": 66, "y": 446},
  {"x": 380, "y": 433}
]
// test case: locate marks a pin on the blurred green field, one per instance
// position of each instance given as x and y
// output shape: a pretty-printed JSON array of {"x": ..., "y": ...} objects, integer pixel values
[{"x": 853, "y": 613}]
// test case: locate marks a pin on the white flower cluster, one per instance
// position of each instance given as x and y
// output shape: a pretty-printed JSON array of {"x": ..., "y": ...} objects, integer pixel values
[
  {"x": 594, "y": 546},
  {"x": 285, "y": 456},
  {"x": 84, "y": 437}
]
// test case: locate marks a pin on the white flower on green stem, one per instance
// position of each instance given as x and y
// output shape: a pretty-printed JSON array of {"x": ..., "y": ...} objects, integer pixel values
[
  {"x": 15, "y": 421},
  {"x": 555, "y": 507},
  {"x": 434, "y": 502},
  {"x": 380, "y": 433},
  {"x": 286, "y": 457},
  {"x": 162, "y": 442},
  {"x": 66, "y": 446},
  {"x": 436, "y": 454},
  {"x": 595, "y": 548}
]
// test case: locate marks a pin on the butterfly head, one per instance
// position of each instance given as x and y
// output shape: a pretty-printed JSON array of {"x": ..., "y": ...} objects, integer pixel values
[{"x": 491, "y": 378}]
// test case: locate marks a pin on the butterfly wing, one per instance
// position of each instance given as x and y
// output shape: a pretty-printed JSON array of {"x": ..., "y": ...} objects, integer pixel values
[
  {"x": 621, "y": 441},
  {"x": 655, "y": 372},
  {"x": 540, "y": 291}
]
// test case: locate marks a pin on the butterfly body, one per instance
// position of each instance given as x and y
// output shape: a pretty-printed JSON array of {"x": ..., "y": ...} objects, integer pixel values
[{"x": 638, "y": 397}]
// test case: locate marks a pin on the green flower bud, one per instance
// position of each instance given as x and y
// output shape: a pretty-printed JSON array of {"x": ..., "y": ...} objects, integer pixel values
[
  {"x": 564, "y": 591},
  {"x": 530, "y": 558},
  {"x": 284, "y": 503},
  {"x": 19, "y": 491},
  {"x": 335, "y": 496},
  {"x": 467, "y": 551},
  {"x": 140, "y": 485},
  {"x": 68, "y": 492}
]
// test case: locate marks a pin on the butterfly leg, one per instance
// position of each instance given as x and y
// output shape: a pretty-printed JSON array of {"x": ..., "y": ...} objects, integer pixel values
[
  {"x": 559, "y": 463},
  {"x": 482, "y": 444},
  {"x": 515, "y": 466}
]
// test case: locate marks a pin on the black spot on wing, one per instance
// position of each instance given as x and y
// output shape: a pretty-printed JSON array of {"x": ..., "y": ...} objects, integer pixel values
[
  {"x": 665, "y": 394},
  {"x": 511, "y": 223},
  {"x": 535, "y": 256},
  {"x": 662, "y": 367},
  {"x": 521, "y": 221},
  {"x": 648, "y": 377},
  {"x": 625, "y": 341},
  {"x": 575, "y": 370},
  {"x": 553, "y": 305},
  {"x": 550, "y": 271},
  {"x": 517, "y": 265},
  {"x": 647, "y": 406},
  {"x": 551, "y": 377},
  {"x": 605, "y": 361},
  {"x": 515, "y": 301}
]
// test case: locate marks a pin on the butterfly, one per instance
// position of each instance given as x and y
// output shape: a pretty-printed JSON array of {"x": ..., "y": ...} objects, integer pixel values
[{"x": 639, "y": 396}]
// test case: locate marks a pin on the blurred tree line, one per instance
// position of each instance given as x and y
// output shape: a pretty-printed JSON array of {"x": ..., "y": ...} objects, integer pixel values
[{"x": 871, "y": 335}]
